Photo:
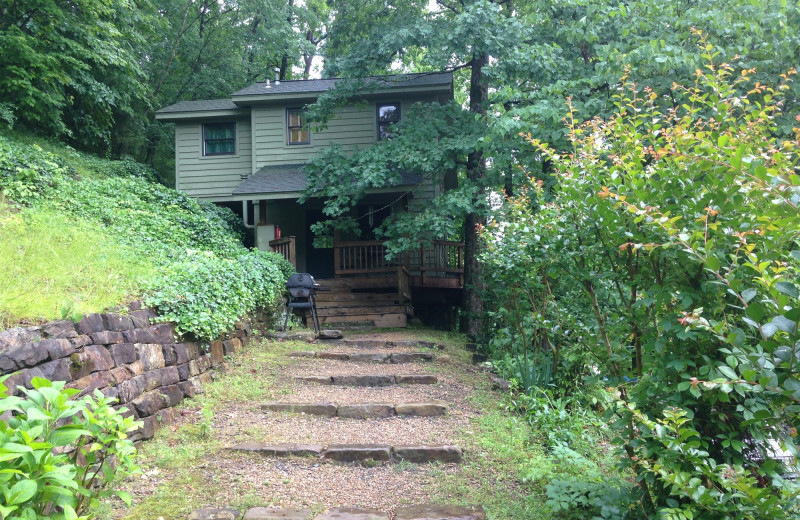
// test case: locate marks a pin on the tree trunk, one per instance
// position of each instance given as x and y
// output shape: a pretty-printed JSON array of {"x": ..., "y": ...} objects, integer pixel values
[{"x": 471, "y": 302}]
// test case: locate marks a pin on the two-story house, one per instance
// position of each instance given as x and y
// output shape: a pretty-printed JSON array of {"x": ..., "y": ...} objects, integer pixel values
[{"x": 248, "y": 152}]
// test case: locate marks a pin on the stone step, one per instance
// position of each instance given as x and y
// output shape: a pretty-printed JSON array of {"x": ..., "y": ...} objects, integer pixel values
[
  {"x": 418, "y": 512},
  {"x": 386, "y": 320},
  {"x": 366, "y": 357},
  {"x": 417, "y": 453},
  {"x": 380, "y": 343},
  {"x": 371, "y": 380},
  {"x": 360, "y": 410}
]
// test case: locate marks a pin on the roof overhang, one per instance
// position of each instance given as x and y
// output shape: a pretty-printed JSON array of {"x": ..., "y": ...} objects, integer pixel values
[
  {"x": 202, "y": 114},
  {"x": 291, "y": 195},
  {"x": 267, "y": 98}
]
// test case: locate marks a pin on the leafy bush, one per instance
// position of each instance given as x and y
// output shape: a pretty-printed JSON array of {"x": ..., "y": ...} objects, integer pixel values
[
  {"x": 60, "y": 455},
  {"x": 25, "y": 171},
  {"x": 668, "y": 261},
  {"x": 205, "y": 294}
]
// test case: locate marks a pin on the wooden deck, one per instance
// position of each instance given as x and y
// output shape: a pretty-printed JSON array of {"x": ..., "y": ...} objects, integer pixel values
[
  {"x": 369, "y": 290},
  {"x": 439, "y": 266}
]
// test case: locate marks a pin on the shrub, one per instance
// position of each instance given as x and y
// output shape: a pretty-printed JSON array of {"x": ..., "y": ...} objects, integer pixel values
[
  {"x": 668, "y": 259},
  {"x": 205, "y": 294},
  {"x": 60, "y": 455}
]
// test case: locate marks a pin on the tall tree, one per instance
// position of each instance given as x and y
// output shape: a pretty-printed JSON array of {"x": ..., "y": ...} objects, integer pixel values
[
  {"x": 66, "y": 69},
  {"x": 461, "y": 36}
]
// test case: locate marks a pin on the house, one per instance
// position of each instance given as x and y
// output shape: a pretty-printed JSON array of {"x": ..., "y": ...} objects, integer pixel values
[{"x": 248, "y": 152}]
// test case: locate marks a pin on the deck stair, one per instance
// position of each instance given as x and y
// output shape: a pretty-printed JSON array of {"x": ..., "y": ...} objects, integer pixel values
[{"x": 360, "y": 302}]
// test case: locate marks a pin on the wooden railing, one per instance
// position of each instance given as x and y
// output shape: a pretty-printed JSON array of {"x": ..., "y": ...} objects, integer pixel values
[
  {"x": 362, "y": 257},
  {"x": 285, "y": 247},
  {"x": 443, "y": 259}
]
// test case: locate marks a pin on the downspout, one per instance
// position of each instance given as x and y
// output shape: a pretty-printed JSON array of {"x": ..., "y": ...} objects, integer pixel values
[{"x": 245, "y": 215}]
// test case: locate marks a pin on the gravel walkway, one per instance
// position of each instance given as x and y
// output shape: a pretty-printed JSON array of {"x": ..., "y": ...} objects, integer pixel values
[{"x": 235, "y": 477}]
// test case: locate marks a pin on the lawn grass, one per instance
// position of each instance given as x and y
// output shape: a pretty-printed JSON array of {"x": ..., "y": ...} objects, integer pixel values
[{"x": 49, "y": 261}]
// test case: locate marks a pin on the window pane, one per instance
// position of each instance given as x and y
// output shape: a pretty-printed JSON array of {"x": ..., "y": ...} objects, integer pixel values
[
  {"x": 295, "y": 118},
  {"x": 298, "y": 135},
  {"x": 389, "y": 113},
  {"x": 219, "y": 138}
]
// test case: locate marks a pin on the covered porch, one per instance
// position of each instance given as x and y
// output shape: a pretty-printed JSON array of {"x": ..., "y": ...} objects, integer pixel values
[{"x": 365, "y": 286}]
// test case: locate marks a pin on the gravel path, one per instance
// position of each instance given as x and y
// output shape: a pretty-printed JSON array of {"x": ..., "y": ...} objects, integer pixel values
[{"x": 233, "y": 477}]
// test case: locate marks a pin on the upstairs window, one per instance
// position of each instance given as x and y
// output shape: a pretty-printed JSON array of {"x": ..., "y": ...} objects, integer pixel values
[
  {"x": 219, "y": 139},
  {"x": 388, "y": 115},
  {"x": 296, "y": 126}
]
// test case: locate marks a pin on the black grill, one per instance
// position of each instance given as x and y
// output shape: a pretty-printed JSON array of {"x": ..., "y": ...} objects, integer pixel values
[{"x": 300, "y": 288}]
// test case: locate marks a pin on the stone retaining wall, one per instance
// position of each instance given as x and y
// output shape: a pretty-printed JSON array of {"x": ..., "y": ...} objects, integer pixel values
[{"x": 124, "y": 355}]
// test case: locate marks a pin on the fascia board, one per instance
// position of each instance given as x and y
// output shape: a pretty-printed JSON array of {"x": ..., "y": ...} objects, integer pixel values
[{"x": 201, "y": 114}]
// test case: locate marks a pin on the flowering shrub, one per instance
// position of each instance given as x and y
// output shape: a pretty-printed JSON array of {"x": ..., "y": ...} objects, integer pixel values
[{"x": 668, "y": 262}]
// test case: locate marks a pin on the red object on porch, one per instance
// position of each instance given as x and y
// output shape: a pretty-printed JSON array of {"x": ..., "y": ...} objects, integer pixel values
[{"x": 277, "y": 232}]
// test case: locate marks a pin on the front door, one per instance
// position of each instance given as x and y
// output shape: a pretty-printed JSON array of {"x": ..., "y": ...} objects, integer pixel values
[{"x": 319, "y": 260}]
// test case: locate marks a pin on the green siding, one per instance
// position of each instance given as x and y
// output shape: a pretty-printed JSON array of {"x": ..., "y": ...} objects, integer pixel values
[{"x": 214, "y": 176}]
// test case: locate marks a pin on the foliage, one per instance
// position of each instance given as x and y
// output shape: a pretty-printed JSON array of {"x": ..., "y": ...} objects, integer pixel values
[
  {"x": 205, "y": 294},
  {"x": 60, "y": 454},
  {"x": 111, "y": 233},
  {"x": 666, "y": 262},
  {"x": 69, "y": 70}
]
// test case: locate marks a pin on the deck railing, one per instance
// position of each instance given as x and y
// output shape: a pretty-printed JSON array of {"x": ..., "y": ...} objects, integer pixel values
[
  {"x": 285, "y": 247},
  {"x": 443, "y": 259}
]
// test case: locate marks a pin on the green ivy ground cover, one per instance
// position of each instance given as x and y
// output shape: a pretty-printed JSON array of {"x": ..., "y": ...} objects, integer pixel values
[{"x": 183, "y": 256}]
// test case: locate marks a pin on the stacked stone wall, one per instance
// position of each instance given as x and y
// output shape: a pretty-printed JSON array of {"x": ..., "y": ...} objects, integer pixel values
[{"x": 126, "y": 355}]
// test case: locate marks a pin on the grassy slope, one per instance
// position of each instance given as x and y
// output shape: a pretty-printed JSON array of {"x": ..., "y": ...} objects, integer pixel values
[
  {"x": 50, "y": 261},
  {"x": 53, "y": 262},
  {"x": 80, "y": 233}
]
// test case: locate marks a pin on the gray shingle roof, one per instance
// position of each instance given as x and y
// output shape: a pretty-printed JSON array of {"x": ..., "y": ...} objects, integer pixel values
[
  {"x": 309, "y": 86},
  {"x": 199, "y": 106},
  {"x": 274, "y": 179},
  {"x": 290, "y": 178}
]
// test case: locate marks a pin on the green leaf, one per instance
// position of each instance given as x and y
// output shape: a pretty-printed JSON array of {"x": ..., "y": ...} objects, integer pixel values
[
  {"x": 713, "y": 263},
  {"x": 784, "y": 324},
  {"x": 787, "y": 288},
  {"x": 21, "y": 492},
  {"x": 124, "y": 496},
  {"x": 756, "y": 311},
  {"x": 728, "y": 372},
  {"x": 66, "y": 435},
  {"x": 749, "y": 294}
]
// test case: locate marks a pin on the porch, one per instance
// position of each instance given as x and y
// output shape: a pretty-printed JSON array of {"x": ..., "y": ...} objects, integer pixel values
[{"x": 369, "y": 290}]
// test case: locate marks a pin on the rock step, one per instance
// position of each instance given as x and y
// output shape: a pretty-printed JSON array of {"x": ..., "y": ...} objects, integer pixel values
[
  {"x": 366, "y": 357},
  {"x": 374, "y": 380},
  {"x": 357, "y": 452},
  {"x": 419, "y": 512},
  {"x": 379, "y": 343},
  {"x": 360, "y": 410}
]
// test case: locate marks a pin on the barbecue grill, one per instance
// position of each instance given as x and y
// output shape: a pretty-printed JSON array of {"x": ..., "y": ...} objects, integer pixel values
[{"x": 301, "y": 288}]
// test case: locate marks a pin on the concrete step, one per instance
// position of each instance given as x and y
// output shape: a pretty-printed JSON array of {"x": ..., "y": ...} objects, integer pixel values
[
  {"x": 366, "y": 357},
  {"x": 372, "y": 380},
  {"x": 417, "y": 512},
  {"x": 416, "y": 453},
  {"x": 360, "y": 410}
]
